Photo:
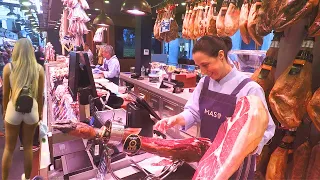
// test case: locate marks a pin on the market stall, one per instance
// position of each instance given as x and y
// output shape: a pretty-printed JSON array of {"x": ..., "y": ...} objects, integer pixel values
[{"x": 287, "y": 72}]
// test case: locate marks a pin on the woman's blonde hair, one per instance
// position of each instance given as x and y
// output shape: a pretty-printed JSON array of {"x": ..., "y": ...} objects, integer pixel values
[{"x": 25, "y": 69}]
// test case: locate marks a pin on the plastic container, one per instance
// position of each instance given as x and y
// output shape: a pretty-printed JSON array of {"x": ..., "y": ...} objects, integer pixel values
[{"x": 247, "y": 60}]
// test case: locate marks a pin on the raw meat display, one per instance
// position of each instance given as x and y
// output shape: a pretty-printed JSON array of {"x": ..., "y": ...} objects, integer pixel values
[
  {"x": 189, "y": 150},
  {"x": 253, "y": 20},
  {"x": 292, "y": 91},
  {"x": 279, "y": 159},
  {"x": 300, "y": 161},
  {"x": 231, "y": 21},
  {"x": 313, "y": 109},
  {"x": 236, "y": 139},
  {"x": 313, "y": 171},
  {"x": 221, "y": 19},
  {"x": 264, "y": 76},
  {"x": 262, "y": 163},
  {"x": 76, "y": 21},
  {"x": 166, "y": 15},
  {"x": 243, "y": 22}
]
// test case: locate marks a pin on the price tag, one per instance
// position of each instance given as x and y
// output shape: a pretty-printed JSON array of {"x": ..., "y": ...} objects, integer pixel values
[
  {"x": 96, "y": 150},
  {"x": 165, "y": 26}
]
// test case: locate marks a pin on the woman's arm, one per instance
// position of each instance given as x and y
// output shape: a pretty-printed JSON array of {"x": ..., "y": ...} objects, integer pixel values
[
  {"x": 5, "y": 89},
  {"x": 40, "y": 92}
]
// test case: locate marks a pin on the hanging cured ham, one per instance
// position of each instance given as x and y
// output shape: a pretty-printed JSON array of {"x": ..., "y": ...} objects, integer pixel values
[
  {"x": 253, "y": 20},
  {"x": 292, "y": 91},
  {"x": 314, "y": 29},
  {"x": 243, "y": 22},
  {"x": 300, "y": 161},
  {"x": 277, "y": 165},
  {"x": 211, "y": 18},
  {"x": 221, "y": 19},
  {"x": 314, "y": 109},
  {"x": 231, "y": 21},
  {"x": 185, "y": 23},
  {"x": 264, "y": 76},
  {"x": 313, "y": 171},
  {"x": 292, "y": 12}
]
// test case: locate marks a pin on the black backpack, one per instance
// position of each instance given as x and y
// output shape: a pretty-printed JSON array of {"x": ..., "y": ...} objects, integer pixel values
[{"x": 24, "y": 101}]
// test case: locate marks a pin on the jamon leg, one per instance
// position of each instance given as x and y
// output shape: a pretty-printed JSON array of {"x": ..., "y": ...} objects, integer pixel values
[
  {"x": 252, "y": 22},
  {"x": 231, "y": 21},
  {"x": 243, "y": 22},
  {"x": 236, "y": 139},
  {"x": 300, "y": 161},
  {"x": 313, "y": 109},
  {"x": 189, "y": 150}
]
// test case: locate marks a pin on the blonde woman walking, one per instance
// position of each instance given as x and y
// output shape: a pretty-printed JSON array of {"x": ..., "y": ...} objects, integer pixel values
[{"x": 23, "y": 71}]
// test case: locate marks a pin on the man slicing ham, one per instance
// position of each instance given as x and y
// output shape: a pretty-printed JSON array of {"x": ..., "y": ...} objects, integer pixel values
[{"x": 216, "y": 95}]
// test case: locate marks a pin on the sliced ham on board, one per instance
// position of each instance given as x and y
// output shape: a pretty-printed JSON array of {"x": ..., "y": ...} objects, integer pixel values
[
  {"x": 231, "y": 21},
  {"x": 252, "y": 22},
  {"x": 292, "y": 91},
  {"x": 237, "y": 137},
  {"x": 221, "y": 19},
  {"x": 243, "y": 22}
]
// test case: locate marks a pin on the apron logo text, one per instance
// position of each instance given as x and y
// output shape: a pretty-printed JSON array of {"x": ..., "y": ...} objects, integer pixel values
[{"x": 213, "y": 114}]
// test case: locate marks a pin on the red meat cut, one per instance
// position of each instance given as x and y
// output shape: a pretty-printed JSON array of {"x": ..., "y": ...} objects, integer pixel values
[{"x": 236, "y": 139}]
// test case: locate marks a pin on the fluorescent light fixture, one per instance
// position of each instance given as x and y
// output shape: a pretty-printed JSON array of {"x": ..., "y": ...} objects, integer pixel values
[
  {"x": 96, "y": 9},
  {"x": 183, "y": 4},
  {"x": 107, "y": 2}
]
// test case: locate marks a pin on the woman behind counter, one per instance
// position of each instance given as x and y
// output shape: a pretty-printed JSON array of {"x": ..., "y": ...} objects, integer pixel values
[{"x": 216, "y": 95}]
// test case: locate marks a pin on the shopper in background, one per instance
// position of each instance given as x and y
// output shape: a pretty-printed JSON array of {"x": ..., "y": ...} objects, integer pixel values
[
  {"x": 218, "y": 93},
  {"x": 40, "y": 55},
  {"x": 89, "y": 52},
  {"x": 24, "y": 71},
  {"x": 111, "y": 65}
]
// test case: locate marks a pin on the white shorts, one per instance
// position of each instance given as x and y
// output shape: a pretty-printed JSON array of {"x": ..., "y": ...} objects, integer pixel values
[{"x": 15, "y": 118}]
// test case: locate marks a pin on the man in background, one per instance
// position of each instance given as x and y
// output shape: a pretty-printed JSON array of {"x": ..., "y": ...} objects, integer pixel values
[
  {"x": 89, "y": 52},
  {"x": 111, "y": 66}
]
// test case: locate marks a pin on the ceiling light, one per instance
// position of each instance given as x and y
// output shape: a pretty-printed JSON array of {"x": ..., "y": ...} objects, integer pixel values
[
  {"x": 26, "y": 3},
  {"x": 103, "y": 20},
  {"x": 183, "y": 4},
  {"x": 107, "y": 2},
  {"x": 136, "y": 7},
  {"x": 96, "y": 9},
  {"x": 89, "y": 14}
]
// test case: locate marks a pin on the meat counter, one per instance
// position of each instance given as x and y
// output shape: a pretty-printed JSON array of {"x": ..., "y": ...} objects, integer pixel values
[{"x": 61, "y": 106}]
